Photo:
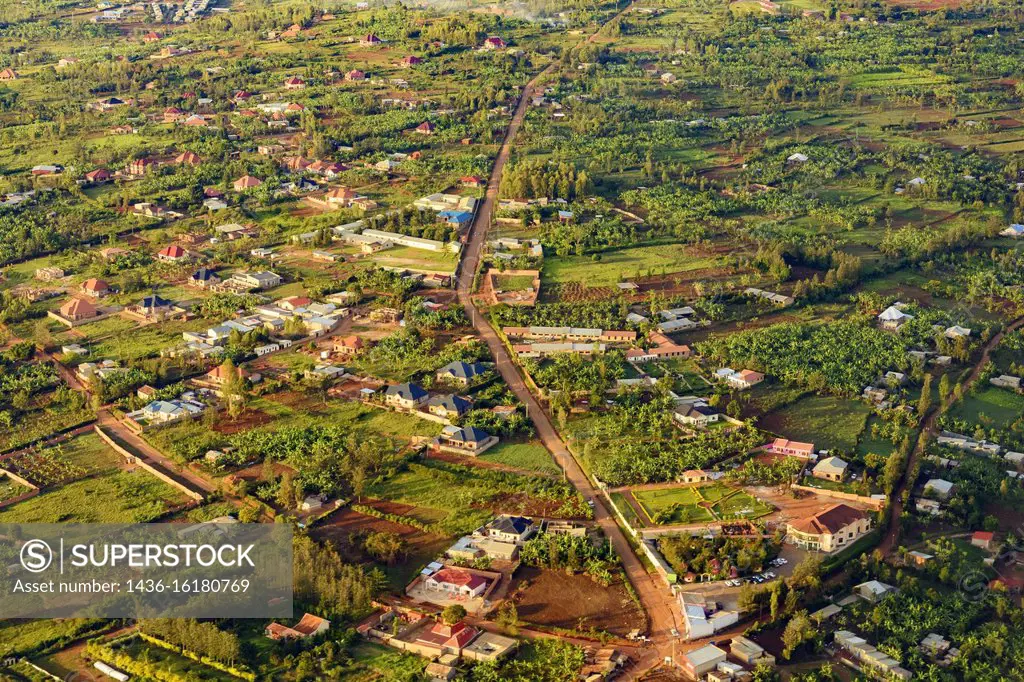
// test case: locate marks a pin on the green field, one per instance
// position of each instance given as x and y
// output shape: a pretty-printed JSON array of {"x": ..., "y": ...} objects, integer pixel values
[
  {"x": 531, "y": 456},
  {"x": 122, "y": 497},
  {"x": 991, "y": 405},
  {"x": 621, "y": 264},
  {"x": 828, "y": 422},
  {"x": 26, "y": 637},
  {"x": 700, "y": 503}
]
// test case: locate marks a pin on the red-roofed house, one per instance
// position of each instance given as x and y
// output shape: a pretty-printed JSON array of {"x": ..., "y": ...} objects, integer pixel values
[
  {"x": 471, "y": 181},
  {"x": 77, "y": 309},
  {"x": 983, "y": 539},
  {"x": 792, "y": 448},
  {"x": 188, "y": 159},
  {"x": 355, "y": 75},
  {"x": 308, "y": 626},
  {"x": 151, "y": 37},
  {"x": 247, "y": 182},
  {"x": 348, "y": 345},
  {"x": 294, "y": 83},
  {"x": 95, "y": 288},
  {"x": 425, "y": 128},
  {"x": 450, "y": 639},
  {"x": 173, "y": 114},
  {"x": 411, "y": 60},
  {"x": 456, "y": 581},
  {"x": 98, "y": 176},
  {"x": 494, "y": 43},
  {"x": 172, "y": 254},
  {"x": 222, "y": 374},
  {"x": 139, "y": 167},
  {"x": 370, "y": 39},
  {"x": 8, "y": 75}
]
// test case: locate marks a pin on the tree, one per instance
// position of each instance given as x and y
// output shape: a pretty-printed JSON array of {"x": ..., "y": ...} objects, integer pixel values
[
  {"x": 508, "y": 617},
  {"x": 385, "y": 547},
  {"x": 453, "y": 613},
  {"x": 286, "y": 491},
  {"x": 798, "y": 631}
]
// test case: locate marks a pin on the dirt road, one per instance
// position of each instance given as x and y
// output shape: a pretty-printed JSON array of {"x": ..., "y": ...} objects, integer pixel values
[
  {"x": 889, "y": 542},
  {"x": 658, "y": 602}
]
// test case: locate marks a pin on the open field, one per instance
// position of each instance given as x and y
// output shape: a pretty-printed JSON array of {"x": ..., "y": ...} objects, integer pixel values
[
  {"x": 531, "y": 456},
  {"x": 573, "y": 602},
  {"x": 420, "y": 547},
  {"x": 990, "y": 406},
  {"x": 828, "y": 422}
]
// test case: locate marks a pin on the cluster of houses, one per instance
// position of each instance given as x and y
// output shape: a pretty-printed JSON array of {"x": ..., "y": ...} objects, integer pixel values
[
  {"x": 163, "y": 412},
  {"x": 316, "y": 319},
  {"x": 545, "y": 341},
  {"x": 714, "y": 663}
]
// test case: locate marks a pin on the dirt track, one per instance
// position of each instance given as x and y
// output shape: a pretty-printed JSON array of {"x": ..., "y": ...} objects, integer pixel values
[{"x": 661, "y": 607}]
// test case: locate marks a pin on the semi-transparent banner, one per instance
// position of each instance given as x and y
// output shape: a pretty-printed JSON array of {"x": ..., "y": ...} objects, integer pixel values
[{"x": 152, "y": 570}]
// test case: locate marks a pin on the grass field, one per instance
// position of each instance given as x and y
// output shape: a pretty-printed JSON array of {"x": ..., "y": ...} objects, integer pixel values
[
  {"x": 22, "y": 637},
  {"x": 826, "y": 421},
  {"x": 621, "y": 264},
  {"x": 531, "y": 456},
  {"x": 695, "y": 504},
  {"x": 990, "y": 405},
  {"x": 121, "y": 497}
]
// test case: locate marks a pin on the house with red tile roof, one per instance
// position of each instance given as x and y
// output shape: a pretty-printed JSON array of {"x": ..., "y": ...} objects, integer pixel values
[
  {"x": 246, "y": 182},
  {"x": 425, "y": 128},
  {"x": 172, "y": 254},
  {"x": 294, "y": 83},
  {"x": 456, "y": 582},
  {"x": 95, "y": 288},
  {"x": 98, "y": 176},
  {"x": 983, "y": 539},
  {"x": 791, "y": 448},
  {"x": 308, "y": 626},
  {"x": 188, "y": 159}
]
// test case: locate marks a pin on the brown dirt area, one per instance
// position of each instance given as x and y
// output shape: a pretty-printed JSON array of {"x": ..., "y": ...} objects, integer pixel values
[
  {"x": 523, "y": 504},
  {"x": 340, "y": 526},
  {"x": 248, "y": 419},
  {"x": 575, "y": 602}
]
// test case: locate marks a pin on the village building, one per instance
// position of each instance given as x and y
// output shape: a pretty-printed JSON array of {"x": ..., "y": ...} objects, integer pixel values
[
  {"x": 308, "y": 626},
  {"x": 467, "y": 440},
  {"x": 448, "y": 406},
  {"x": 831, "y": 469},
  {"x": 829, "y": 530},
  {"x": 407, "y": 396},
  {"x": 791, "y": 448},
  {"x": 95, "y": 288},
  {"x": 461, "y": 373},
  {"x": 892, "y": 318}
]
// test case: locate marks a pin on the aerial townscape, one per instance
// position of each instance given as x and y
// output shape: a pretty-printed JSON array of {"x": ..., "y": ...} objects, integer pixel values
[{"x": 575, "y": 341}]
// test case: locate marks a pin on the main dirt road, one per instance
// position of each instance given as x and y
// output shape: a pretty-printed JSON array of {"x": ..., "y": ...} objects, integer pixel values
[
  {"x": 892, "y": 536},
  {"x": 657, "y": 600}
]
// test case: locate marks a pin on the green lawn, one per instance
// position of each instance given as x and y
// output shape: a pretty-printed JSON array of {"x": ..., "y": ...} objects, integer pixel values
[
  {"x": 532, "y": 456},
  {"x": 122, "y": 497},
  {"x": 621, "y": 264},
  {"x": 828, "y": 422},
  {"x": 990, "y": 405}
]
